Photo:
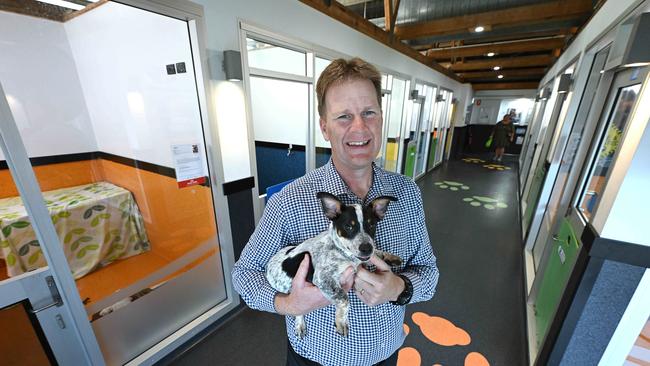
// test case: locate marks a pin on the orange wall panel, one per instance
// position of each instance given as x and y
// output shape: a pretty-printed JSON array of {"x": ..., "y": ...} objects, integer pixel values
[
  {"x": 54, "y": 176},
  {"x": 176, "y": 220}
]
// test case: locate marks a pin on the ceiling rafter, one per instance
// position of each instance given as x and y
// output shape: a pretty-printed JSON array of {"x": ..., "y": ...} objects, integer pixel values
[
  {"x": 390, "y": 13},
  {"x": 515, "y": 46},
  {"x": 505, "y": 86},
  {"x": 536, "y": 71},
  {"x": 518, "y": 15},
  {"x": 342, "y": 14},
  {"x": 503, "y": 63}
]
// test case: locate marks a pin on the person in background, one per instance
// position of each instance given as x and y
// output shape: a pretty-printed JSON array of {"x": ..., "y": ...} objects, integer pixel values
[
  {"x": 349, "y": 105},
  {"x": 502, "y": 135}
]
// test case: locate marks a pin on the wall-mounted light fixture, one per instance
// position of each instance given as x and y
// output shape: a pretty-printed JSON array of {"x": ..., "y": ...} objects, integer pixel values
[
  {"x": 630, "y": 48},
  {"x": 232, "y": 65},
  {"x": 414, "y": 94},
  {"x": 545, "y": 94},
  {"x": 565, "y": 84}
]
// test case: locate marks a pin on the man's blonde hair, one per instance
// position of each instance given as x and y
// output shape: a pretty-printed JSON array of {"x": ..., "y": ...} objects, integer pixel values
[{"x": 341, "y": 70}]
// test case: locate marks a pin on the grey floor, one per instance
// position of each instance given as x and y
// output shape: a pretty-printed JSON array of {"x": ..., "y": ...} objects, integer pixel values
[{"x": 480, "y": 290}]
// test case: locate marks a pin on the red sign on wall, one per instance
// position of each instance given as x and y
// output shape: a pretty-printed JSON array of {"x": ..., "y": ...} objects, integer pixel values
[{"x": 477, "y": 102}]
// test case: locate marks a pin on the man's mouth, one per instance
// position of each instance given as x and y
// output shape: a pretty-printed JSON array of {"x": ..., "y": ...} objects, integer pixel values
[{"x": 358, "y": 143}]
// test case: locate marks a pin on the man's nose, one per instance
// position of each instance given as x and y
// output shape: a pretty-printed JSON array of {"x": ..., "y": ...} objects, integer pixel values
[{"x": 358, "y": 123}]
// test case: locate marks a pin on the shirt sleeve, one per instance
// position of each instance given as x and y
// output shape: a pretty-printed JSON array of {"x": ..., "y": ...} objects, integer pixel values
[
  {"x": 249, "y": 273},
  {"x": 421, "y": 269}
]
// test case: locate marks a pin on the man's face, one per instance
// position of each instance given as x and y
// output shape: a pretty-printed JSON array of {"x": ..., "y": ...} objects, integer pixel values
[{"x": 352, "y": 123}]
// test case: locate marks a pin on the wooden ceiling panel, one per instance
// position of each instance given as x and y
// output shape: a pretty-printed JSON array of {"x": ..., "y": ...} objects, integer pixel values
[
  {"x": 518, "y": 15},
  {"x": 503, "y": 63},
  {"x": 505, "y": 86},
  {"x": 517, "y": 46}
]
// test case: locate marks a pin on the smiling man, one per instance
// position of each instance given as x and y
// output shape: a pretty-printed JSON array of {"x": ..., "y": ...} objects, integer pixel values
[{"x": 349, "y": 100}]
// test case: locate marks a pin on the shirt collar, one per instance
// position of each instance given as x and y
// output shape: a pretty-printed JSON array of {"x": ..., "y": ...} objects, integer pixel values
[{"x": 334, "y": 184}]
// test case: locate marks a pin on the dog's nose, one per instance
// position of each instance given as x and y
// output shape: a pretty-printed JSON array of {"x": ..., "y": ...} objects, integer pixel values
[{"x": 365, "y": 249}]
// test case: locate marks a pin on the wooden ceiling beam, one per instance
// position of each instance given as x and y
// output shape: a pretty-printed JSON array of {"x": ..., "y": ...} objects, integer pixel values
[
  {"x": 390, "y": 14},
  {"x": 537, "y": 71},
  {"x": 499, "y": 48},
  {"x": 506, "y": 86},
  {"x": 504, "y": 63},
  {"x": 518, "y": 15},
  {"x": 342, "y": 14}
]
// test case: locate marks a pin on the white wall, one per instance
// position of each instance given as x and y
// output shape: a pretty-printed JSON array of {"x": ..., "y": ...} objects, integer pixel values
[
  {"x": 37, "y": 72},
  {"x": 136, "y": 109},
  {"x": 487, "y": 113},
  {"x": 295, "y": 20}
]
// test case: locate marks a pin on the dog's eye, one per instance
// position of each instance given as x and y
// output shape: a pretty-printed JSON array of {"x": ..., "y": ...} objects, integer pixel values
[{"x": 348, "y": 227}]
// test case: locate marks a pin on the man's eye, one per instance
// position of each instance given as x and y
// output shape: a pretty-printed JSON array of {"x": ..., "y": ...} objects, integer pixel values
[
  {"x": 343, "y": 117},
  {"x": 369, "y": 113}
]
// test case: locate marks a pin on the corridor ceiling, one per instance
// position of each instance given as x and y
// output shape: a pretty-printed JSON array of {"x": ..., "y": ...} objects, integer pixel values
[{"x": 518, "y": 42}]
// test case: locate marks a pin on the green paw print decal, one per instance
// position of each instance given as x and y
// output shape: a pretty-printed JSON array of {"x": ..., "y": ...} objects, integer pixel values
[
  {"x": 452, "y": 186},
  {"x": 473, "y": 160},
  {"x": 486, "y": 202},
  {"x": 496, "y": 167}
]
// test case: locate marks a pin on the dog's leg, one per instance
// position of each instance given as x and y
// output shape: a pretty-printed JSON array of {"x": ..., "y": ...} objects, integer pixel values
[
  {"x": 342, "y": 308},
  {"x": 300, "y": 326},
  {"x": 390, "y": 259}
]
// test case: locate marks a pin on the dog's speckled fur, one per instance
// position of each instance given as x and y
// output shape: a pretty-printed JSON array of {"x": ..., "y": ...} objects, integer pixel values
[{"x": 349, "y": 241}]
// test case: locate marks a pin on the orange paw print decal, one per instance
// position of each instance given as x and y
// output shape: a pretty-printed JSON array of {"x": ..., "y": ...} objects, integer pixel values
[{"x": 442, "y": 332}]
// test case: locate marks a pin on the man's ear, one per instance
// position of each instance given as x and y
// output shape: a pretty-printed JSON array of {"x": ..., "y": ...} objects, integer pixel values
[
  {"x": 332, "y": 207},
  {"x": 323, "y": 128},
  {"x": 380, "y": 204}
]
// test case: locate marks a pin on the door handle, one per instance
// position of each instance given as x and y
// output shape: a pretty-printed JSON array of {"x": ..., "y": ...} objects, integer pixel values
[{"x": 54, "y": 292}]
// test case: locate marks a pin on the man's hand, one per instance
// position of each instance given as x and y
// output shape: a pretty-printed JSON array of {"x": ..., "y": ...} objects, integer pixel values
[
  {"x": 381, "y": 286},
  {"x": 304, "y": 296}
]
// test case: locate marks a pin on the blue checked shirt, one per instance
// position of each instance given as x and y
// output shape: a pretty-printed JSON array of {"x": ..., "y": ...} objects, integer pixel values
[{"x": 294, "y": 215}]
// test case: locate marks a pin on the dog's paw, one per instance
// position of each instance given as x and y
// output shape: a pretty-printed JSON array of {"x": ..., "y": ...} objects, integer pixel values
[
  {"x": 342, "y": 328},
  {"x": 392, "y": 260},
  {"x": 301, "y": 329}
]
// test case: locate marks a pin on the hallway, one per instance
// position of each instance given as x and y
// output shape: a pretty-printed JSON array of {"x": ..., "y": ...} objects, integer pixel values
[{"x": 477, "y": 243}]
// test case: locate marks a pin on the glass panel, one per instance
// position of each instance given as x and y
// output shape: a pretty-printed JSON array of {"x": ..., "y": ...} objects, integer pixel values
[
  {"x": 425, "y": 126},
  {"x": 323, "y": 148},
  {"x": 280, "y": 114},
  {"x": 20, "y": 342},
  {"x": 266, "y": 56},
  {"x": 609, "y": 143},
  {"x": 568, "y": 157},
  {"x": 117, "y": 146},
  {"x": 394, "y": 124}
]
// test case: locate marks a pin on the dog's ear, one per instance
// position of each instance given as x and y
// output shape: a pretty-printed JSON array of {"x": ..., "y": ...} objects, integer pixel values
[
  {"x": 331, "y": 204},
  {"x": 380, "y": 204}
]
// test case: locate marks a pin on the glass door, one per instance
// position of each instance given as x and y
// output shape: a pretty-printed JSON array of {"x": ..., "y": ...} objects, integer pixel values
[
  {"x": 112, "y": 117},
  {"x": 424, "y": 128},
  {"x": 541, "y": 160},
  {"x": 393, "y": 121},
  {"x": 41, "y": 325},
  {"x": 411, "y": 143},
  {"x": 443, "y": 125},
  {"x": 563, "y": 184},
  {"x": 532, "y": 141},
  {"x": 562, "y": 254}
]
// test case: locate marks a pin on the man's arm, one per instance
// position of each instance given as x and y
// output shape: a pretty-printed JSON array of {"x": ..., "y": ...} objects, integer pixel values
[{"x": 421, "y": 270}]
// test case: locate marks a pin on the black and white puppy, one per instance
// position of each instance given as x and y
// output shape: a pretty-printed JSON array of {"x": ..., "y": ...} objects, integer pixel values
[{"x": 349, "y": 241}]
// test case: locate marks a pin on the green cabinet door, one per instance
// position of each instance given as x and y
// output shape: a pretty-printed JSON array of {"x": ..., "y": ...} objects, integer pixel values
[
  {"x": 409, "y": 170},
  {"x": 565, "y": 248}
]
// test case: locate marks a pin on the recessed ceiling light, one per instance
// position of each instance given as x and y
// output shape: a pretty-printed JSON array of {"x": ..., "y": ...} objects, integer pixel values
[
  {"x": 64, "y": 4},
  {"x": 496, "y": 68},
  {"x": 479, "y": 29},
  {"x": 500, "y": 77},
  {"x": 490, "y": 54}
]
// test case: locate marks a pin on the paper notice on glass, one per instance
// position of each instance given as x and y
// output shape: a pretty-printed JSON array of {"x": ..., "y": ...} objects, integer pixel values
[{"x": 188, "y": 164}]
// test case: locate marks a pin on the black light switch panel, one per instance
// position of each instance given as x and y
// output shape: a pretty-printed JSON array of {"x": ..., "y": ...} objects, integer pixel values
[
  {"x": 180, "y": 67},
  {"x": 171, "y": 69}
]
